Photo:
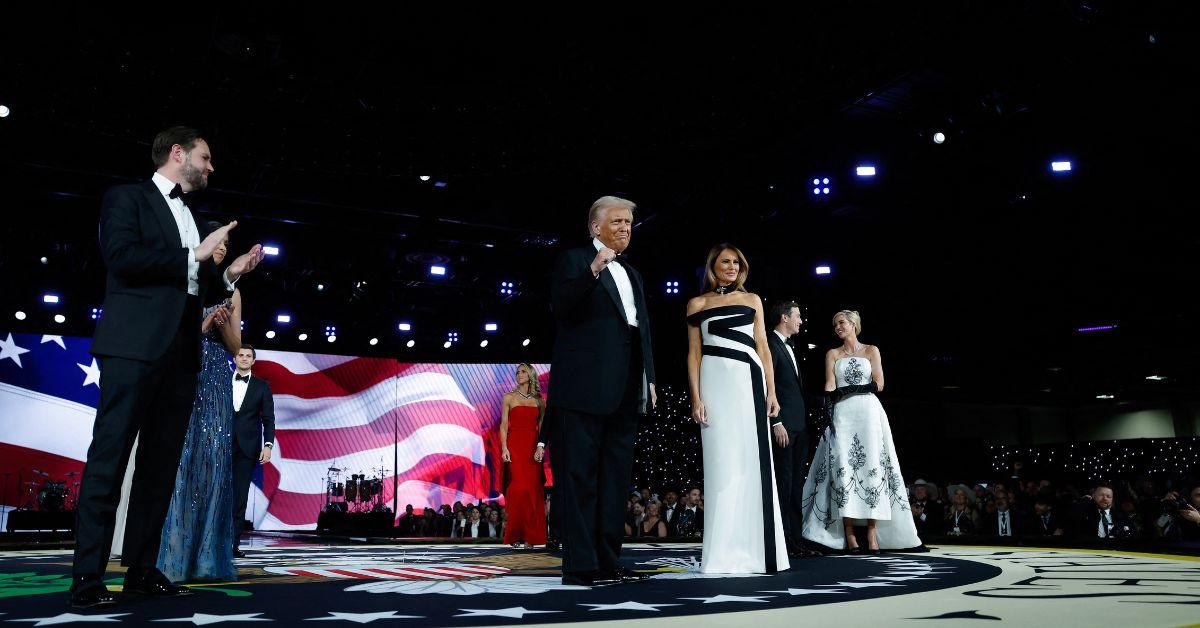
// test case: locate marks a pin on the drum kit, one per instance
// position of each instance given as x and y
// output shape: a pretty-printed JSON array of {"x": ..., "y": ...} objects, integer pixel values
[
  {"x": 49, "y": 495},
  {"x": 359, "y": 493}
]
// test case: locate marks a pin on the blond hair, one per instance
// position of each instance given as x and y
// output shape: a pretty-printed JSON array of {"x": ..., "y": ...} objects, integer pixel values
[
  {"x": 603, "y": 203},
  {"x": 710, "y": 278},
  {"x": 853, "y": 317},
  {"x": 535, "y": 388}
]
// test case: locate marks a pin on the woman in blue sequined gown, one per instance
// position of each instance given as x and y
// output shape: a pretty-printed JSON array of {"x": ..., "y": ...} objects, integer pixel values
[{"x": 197, "y": 538}]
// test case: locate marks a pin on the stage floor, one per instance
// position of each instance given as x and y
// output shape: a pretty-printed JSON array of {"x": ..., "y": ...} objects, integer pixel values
[{"x": 290, "y": 580}]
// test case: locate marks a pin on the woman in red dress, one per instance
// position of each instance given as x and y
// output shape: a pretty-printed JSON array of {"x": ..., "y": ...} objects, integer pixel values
[{"x": 520, "y": 420}]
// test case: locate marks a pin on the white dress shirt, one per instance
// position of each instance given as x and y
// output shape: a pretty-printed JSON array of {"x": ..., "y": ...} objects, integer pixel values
[
  {"x": 789, "y": 348},
  {"x": 239, "y": 392},
  {"x": 473, "y": 529},
  {"x": 1105, "y": 516},
  {"x": 624, "y": 287},
  {"x": 189, "y": 235}
]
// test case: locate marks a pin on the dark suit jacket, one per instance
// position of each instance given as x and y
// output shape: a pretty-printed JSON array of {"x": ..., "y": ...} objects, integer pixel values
[
  {"x": 1038, "y": 528},
  {"x": 789, "y": 385},
  {"x": 689, "y": 522},
  {"x": 254, "y": 423},
  {"x": 1087, "y": 526},
  {"x": 146, "y": 262},
  {"x": 593, "y": 347},
  {"x": 990, "y": 524}
]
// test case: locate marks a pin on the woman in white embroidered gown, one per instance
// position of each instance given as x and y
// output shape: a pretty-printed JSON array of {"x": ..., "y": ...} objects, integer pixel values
[
  {"x": 855, "y": 474},
  {"x": 733, "y": 396}
]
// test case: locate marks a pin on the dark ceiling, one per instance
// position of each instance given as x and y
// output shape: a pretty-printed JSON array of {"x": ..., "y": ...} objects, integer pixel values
[{"x": 973, "y": 265}]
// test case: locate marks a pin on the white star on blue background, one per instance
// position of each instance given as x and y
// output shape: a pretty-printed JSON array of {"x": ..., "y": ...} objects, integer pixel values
[{"x": 10, "y": 350}]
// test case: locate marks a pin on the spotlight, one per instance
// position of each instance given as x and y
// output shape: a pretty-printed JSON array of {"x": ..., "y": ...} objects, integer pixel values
[
  {"x": 483, "y": 344},
  {"x": 820, "y": 185},
  {"x": 4, "y": 111},
  {"x": 411, "y": 343},
  {"x": 97, "y": 313},
  {"x": 271, "y": 250},
  {"x": 490, "y": 327},
  {"x": 404, "y": 326},
  {"x": 303, "y": 337},
  {"x": 44, "y": 261},
  {"x": 283, "y": 318},
  {"x": 506, "y": 287},
  {"x": 373, "y": 342},
  {"x": 331, "y": 339},
  {"x": 50, "y": 298},
  {"x": 1157, "y": 378},
  {"x": 439, "y": 184},
  {"x": 270, "y": 334},
  {"x": 330, "y": 330},
  {"x": 824, "y": 270},
  {"x": 865, "y": 171},
  {"x": 20, "y": 315},
  {"x": 60, "y": 319},
  {"x": 424, "y": 177},
  {"x": 824, "y": 190},
  {"x": 437, "y": 271},
  {"x": 525, "y": 343},
  {"x": 939, "y": 137},
  {"x": 1060, "y": 166},
  {"x": 320, "y": 287},
  {"x": 1105, "y": 397},
  {"x": 811, "y": 346},
  {"x": 446, "y": 345},
  {"x": 672, "y": 287},
  {"x": 452, "y": 337}
]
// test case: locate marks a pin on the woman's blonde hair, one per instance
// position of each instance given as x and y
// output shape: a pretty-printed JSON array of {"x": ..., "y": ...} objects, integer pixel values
[
  {"x": 854, "y": 319},
  {"x": 535, "y": 388},
  {"x": 710, "y": 278}
]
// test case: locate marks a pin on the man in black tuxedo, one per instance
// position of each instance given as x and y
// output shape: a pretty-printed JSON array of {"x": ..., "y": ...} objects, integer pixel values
[
  {"x": 691, "y": 516},
  {"x": 1046, "y": 522},
  {"x": 790, "y": 436},
  {"x": 1006, "y": 522},
  {"x": 253, "y": 434},
  {"x": 602, "y": 377},
  {"x": 670, "y": 512},
  {"x": 160, "y": 272}
]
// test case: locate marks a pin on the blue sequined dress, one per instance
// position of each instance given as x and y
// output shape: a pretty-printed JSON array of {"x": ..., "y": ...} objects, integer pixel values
[{"x": 197, "y": 539}]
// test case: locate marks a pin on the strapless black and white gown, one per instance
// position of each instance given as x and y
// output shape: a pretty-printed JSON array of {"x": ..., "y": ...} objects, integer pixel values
[
  {"x": 743, "y": 529},
  {"x": 855, "y": 472}
]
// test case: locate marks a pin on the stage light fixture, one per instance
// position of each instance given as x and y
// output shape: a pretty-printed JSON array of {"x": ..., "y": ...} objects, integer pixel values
[
  {"x": 437, "y": 271},
  {"x": 939, "y": 137},
  {"x": 446, "y": 345},
  {"x": 52, "y": 299},
  {"x": 824, "y": 270},
  {"x": 20, "y": 315},
  {"x": 44, "y": 261},
  {"x": 320, "y": 287},
  {"x": 490, "y": 327},
  {"x": 97, "y": 313},
  {"x": 60, "y": 319},
  {"x": 303, "y": 337},
  {"x": 525, "y": 343},
  {"x": 410, "y": 344},
  {"x": 330, "y": 330},
  {"x": 483, "y": 344},
  {"x": 270, "y": 334},
  {"x": 271, "y": 250},
  {"x": 672, "y": 287},
  {"x": 404, "y": 326},
  {"x": 424, "y": 177},
  {"x": 1060, "y": 166},
  {"x": 506, "y": 287},
  {"x": 4, "y": 111},
  {"x": 373, "y": 342},
  {"x": 283, "y": 318},
  {"x": 331, "y": 338},
  {"x": 865, "y": 171}
]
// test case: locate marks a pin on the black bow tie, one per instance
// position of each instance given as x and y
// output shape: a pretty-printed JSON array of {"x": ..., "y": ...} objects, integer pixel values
[
  {"x": 241, "y": 378},
  {"x": 177, "y": 191}
]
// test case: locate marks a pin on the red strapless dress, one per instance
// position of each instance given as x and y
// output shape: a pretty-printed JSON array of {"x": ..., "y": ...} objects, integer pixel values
[{"x": 524, "y": 497}]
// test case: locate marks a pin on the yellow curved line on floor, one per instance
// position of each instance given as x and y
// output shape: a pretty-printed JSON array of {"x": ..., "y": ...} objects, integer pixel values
[{"x": 1194, "y": 559}]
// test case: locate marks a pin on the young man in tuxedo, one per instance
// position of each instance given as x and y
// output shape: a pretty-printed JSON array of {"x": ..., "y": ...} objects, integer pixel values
[
  {"x": 253, "y": 433},
  {"x": 789, "y": 435},
  {"x": 1006, "y": 522},
  {"x": 602, "y": 377},
  {"x": 670, "y": 512},
  {"x": 160, "y": 273}
]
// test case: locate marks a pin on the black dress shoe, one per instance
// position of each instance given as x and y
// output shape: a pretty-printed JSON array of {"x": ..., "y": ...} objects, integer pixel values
[
  {"x": 590, "y": 578},
  {"x": 237, "y": 553},
  {"x": 152, "y": 583},
  {"x": 553, "y": 545},
  {"x": 627, "y": 575},
  {"x": 90, "y": 592}
]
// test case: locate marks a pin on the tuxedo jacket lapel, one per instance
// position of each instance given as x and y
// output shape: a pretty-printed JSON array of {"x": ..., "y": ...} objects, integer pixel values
[
  {"x": 787, "y": 356},
  {"x": 162, "y": 211},
  {"x": 610, "y": 285}
]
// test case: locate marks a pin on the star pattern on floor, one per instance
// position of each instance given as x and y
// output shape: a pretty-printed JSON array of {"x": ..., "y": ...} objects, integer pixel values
[
  {"x": 515, "y": 612},
  {"x": 364, "y": 618},
  {"x": 718, "y": 599},
  {"x": 70, "y": 618},
  {"x": 204, "y": 619},
  {"x": 628, "y": 606},
  {"x": 793, "y": 591}
]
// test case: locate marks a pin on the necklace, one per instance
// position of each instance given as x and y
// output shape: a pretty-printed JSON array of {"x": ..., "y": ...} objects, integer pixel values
[
  {"x": 726, "y": 289},
  {"x": 860, "y": 348},
  {"x": 524, "y": 394}
]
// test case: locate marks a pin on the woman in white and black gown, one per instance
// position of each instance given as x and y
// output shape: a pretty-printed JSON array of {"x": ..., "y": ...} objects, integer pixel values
[
  {"x": 855, "y": 474},
  {"x": 733, "y": 399}
]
